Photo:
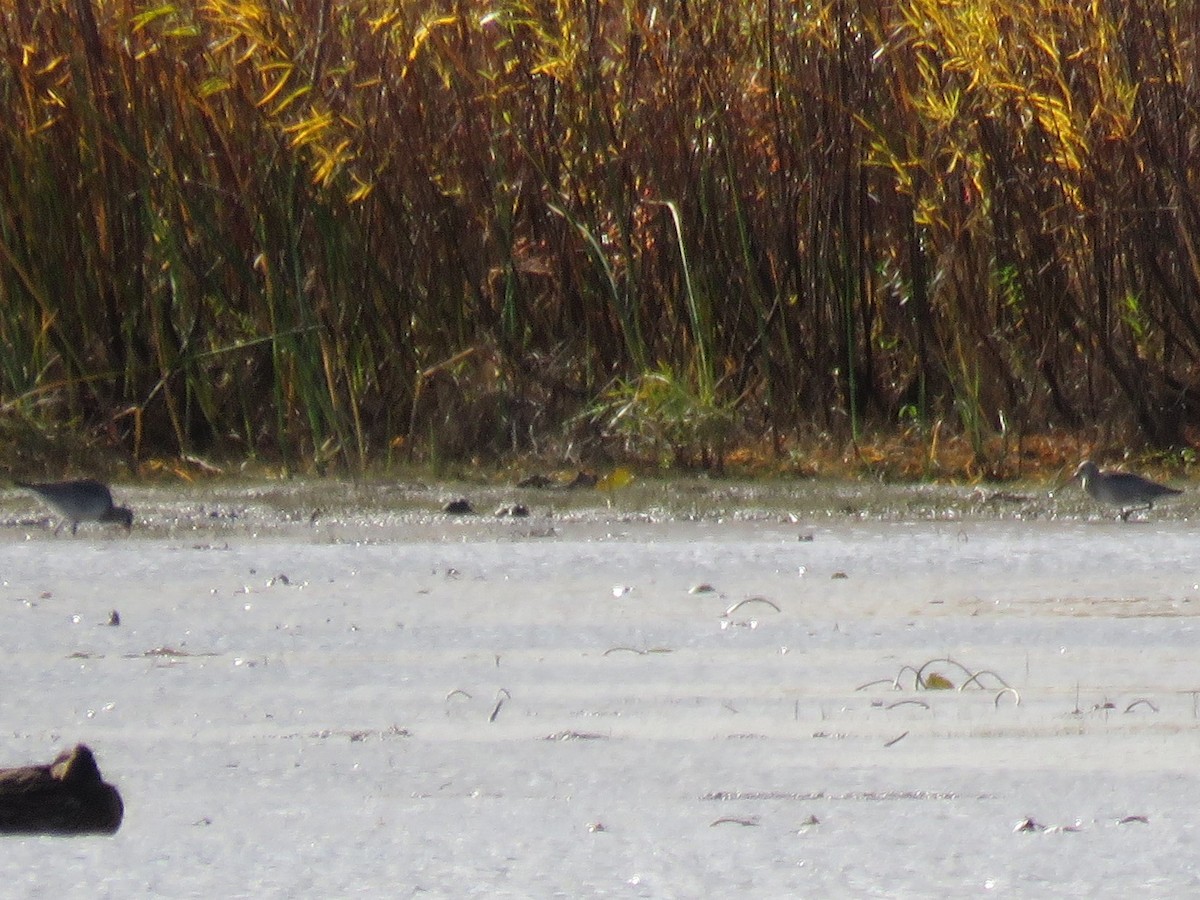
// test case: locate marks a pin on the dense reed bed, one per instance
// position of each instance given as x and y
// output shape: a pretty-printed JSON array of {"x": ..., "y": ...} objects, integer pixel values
[{"x": 329, "y": 232}]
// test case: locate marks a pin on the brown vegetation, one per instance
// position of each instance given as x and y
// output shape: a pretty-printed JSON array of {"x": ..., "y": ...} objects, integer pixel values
[{"x": 327, "y": 232}]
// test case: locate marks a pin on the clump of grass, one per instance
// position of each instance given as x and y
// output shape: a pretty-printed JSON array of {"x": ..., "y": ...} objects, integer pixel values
[
  {"x": 926, "y": 680},
  {"x": 661, "y": 417}
]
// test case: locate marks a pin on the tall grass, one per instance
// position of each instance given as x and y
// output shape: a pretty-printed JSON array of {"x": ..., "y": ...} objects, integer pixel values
[{"x": 318, "y": 230}]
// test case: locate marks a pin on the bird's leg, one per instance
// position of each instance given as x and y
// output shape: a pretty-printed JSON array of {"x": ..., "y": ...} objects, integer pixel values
[{"x": 1125, "y": 514}]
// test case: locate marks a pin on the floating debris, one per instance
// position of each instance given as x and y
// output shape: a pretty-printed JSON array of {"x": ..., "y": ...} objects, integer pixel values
[
  {"x": 920, "y": 703},
  {"x": 114, "y": 619},
  {"x": 749, "y": 822},
  {"x": 69, "y": 796},
  {"x": 514, "y": 510},
  {"x": 728, "y": 623},
  {"x": 1141, "y": 701},
  {"x": 501, "y": 696},
  {"x": 872, "y": 796},
  {"x": 838, "y": 575},
  {"x": 1129, "y": 820},
  {"x": 742, "y": 603},
  {"x": 459, "y": 507},
  {"x": 636, "y": 650},
  {"x": 937, "y": 682},
  {"x": 536, "y": 481},
  {"x": 703, "y": 588}
]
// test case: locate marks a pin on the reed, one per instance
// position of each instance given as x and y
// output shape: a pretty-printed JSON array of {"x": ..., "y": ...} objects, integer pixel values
[{"x": 260, "y": 230}]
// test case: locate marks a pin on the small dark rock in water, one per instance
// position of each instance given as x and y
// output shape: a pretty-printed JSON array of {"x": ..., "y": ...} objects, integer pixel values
[
  {"x": 114, "y": 618},
  {"x": 66, "y": 797},
  {"x": 460, "y": 507},
  {"x": 535, "y": 481},
  {"x": 516, "y": 510}
]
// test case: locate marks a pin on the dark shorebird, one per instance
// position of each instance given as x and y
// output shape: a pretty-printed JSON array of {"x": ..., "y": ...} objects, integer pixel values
[
  {"x": 85, "y": 500},
  {"x": 1124, "y": 489}
]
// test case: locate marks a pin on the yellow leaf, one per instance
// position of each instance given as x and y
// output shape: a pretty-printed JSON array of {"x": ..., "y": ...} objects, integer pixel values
[
  {"x": 616, "y": 479},
  {"x": 277, "y": 87}
]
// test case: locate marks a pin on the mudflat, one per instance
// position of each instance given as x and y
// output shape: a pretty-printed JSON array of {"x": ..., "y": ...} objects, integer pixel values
[{"x": 329, "y": 689}]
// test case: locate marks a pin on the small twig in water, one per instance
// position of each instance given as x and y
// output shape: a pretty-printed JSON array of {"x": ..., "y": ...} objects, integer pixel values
[
  {"x": 501, "y": 696},
  {"x": 741, "y": 603},
  {"x": 1141, "y": 700},
  {"x": 920, "y": 703},
  {"x": 896, "y": 739},
  {"x": 918, "y": 683},
  {"x": 1002, "y": 692},
  {"x": 976, "y": 676},
  {"x": 733, "y": 820},
  {"x": 458, "y": 691},
  {"x": 944, "y": 659},
  {"x": 625, "y": 649},
  {"x": 891, "y": 681}
]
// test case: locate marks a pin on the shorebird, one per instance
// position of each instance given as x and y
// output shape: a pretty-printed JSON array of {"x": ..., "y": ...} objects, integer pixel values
[
  {"x": 1121, "y": 488},
  {"x": 85, "y": 500}
]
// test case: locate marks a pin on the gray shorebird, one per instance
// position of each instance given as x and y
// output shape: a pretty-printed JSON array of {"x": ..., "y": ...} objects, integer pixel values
[
  {"x": 1124, "y": 489},
  {"x": 85, "y": 500}
]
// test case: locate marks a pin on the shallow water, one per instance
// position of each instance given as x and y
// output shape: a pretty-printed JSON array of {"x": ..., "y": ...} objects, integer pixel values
[{"x": 320, "y": 689}]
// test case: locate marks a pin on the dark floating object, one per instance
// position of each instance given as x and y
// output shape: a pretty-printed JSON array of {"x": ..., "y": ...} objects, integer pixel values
[
  {"x": 66, "y": 797},
  {"x": 1129, "y": 820},
  {"x": 516, "y": 510},
  {"x": 460, "y": 507},
  {"x": 86, "y": 500},
  {"x": 747, "y": 822},
  {"x": 536, "y": 481},
  {"x": 114, "y": 619}
]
